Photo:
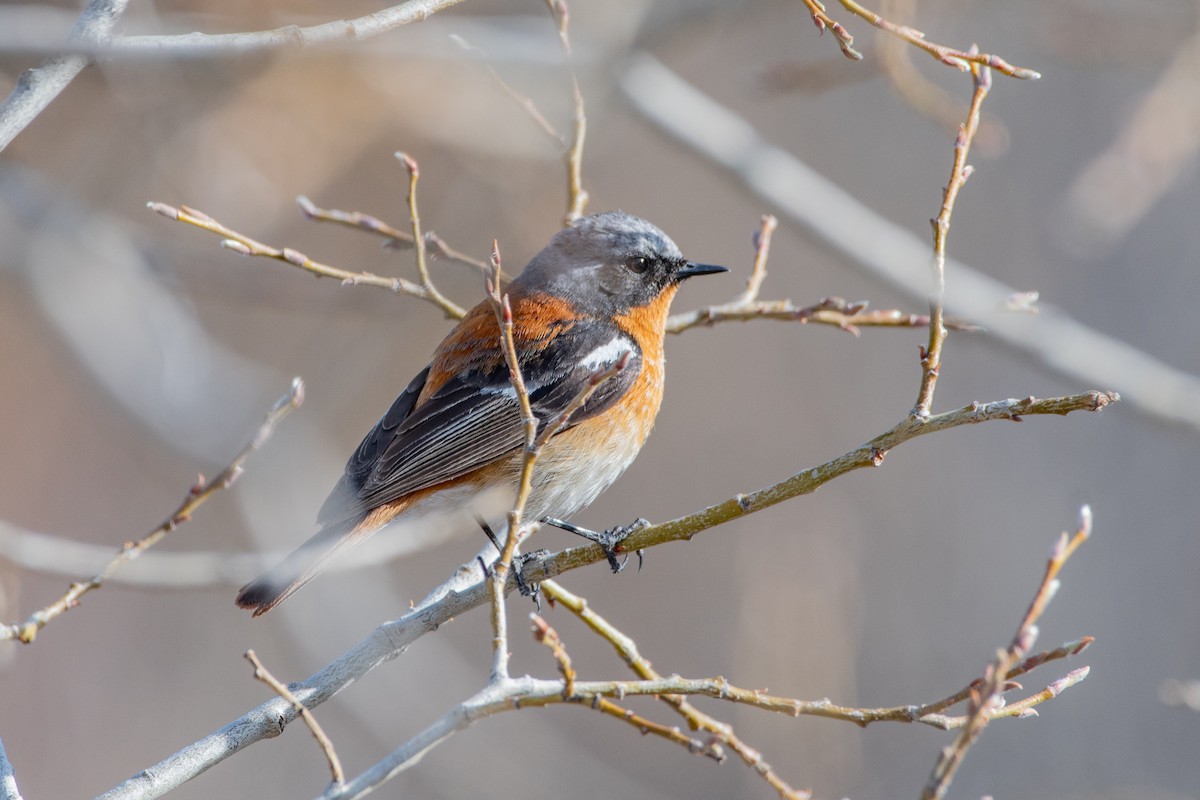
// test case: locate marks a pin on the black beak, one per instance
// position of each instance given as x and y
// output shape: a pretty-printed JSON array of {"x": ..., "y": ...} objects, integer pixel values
[{"x": 691, "y": 269}]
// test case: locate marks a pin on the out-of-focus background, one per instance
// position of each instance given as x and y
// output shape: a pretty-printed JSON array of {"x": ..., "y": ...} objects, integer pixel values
[{"x": 135, "y": 353}]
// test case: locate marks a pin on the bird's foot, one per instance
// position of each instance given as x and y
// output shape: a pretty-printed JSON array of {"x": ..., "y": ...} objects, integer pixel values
[{"x": 609, "y": 540}]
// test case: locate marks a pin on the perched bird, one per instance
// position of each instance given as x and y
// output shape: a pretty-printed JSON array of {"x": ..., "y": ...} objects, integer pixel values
[{"x": 598, "y": 293}]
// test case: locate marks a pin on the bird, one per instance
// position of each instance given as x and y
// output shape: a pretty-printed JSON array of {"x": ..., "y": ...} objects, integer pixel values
[{"x": 597, "y": 295}]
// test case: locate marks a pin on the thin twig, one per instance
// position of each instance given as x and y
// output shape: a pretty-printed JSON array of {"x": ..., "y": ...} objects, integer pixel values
[
  {"x": 959, "y": 59},
  {"x": 500, "y": 569},
  {"x": 924, "y": 95},
  {"x": 27, "y": 631},
  {"x": 989, "y": 696},
  {"x": 393, "y": 236},
  {"x": 836, "y": 311},
  {"x": 931, "y": 355},
  {"x": 927, "y": 714},
  {"x": 310, "y": 719},
  {"x": 244, "y": 245},
  {"x": 353, "y": 219},
  {"x": 534, "y": 441},
  {"x": 545, "y": 634},
  {"x": 452, "y": 310},
  {"x": 721, "y": 732},
  {"x": 577, "y": 196},
  {"x": 523, "y": 100}
]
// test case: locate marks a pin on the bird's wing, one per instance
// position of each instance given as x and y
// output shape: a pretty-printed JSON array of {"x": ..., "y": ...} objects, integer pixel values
[{"x": 474, "y": 418}]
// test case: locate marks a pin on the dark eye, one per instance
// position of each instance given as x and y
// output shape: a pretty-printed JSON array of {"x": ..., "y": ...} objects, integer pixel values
[{"x": 638, "y": 264}]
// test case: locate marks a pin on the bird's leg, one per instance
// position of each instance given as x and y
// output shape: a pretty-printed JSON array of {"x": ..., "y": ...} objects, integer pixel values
[
  {"x": 608, "y": 540},
  {"x": 526, "y": 588}
]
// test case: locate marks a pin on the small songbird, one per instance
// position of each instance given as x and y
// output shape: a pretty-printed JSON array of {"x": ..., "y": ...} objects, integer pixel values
[{"x": 598, "y": 293}]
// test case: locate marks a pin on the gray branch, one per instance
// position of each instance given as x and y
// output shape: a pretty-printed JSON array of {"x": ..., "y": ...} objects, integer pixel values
[
  {"x": 92, "y": 36},
  {"x": 8, "y": 781},
  {"x": 37, "y": 88}
]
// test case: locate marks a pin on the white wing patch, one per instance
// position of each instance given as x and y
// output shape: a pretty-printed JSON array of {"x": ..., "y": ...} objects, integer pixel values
[{"x": 608, "y": 353}]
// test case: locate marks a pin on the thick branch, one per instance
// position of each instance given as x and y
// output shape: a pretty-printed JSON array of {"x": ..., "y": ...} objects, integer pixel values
[
  {"x": 466, "y": 590},
  {"x": 37, "y": 88},
  {"x": 8, "y": 781}
]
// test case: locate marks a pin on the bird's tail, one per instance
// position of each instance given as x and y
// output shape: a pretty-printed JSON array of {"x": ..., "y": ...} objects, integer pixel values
[{"x": 307, "y": 562}]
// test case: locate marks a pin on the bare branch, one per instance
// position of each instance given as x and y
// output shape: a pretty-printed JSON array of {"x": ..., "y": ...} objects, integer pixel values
[
  {"x": 836, "y": 311},
  {"x": 263, "y": 674},
  {"x": 8, "y": 781},
  {"x": 721, "y": 732},
  {"x": 452, "y": 310},
  {"x": 511, "y": 694},
  {"x": 37, "y": 88},
  {"x": 931, "y": 356},
  {"x": 543, "y": 633},
  {"x": 27, "y": 631},
  {"x": 342, "y": 31},
  {"x": 534, "y": 441},
  {"x": 947, "y": 55},
  {"x": 989, "y": 694},
  {"x": 394, "y": 237},
  {"x": 244, "y": 245},
  {"x": 577, "y": 196}
]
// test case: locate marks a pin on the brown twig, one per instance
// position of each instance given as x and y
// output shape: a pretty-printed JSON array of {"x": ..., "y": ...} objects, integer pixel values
[
  {"x": 988, "y": 695},
  {"x": 534, "y": 441},
  {"x": 924, "y": 95},
  {"x": 959, "y": 59},
  {"x": 577, "y": 196},
  {"x": 846, "y": 315},
  {"x": 523, "y": 100},
  {"x": 927, "y": 714},
  {"x": 871, "y": 454},
  {"x": 393, "y": 236},
  {"x": 310, "y": 719},
  {"x": 721, "y": 732},
  {"x": 931, "y": 355},
  {"x": 27, "y": 631},
  {"x": 545, "y": 634},
  {"x": 500, "y": 569},
  {"x": 356, "y": 220},
  {"x": 244, "y": 245},
  {"x": 452, "y": 310}
]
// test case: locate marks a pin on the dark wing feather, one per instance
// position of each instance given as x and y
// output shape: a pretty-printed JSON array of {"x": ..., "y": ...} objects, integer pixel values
[{"x": 473, "y": 420}]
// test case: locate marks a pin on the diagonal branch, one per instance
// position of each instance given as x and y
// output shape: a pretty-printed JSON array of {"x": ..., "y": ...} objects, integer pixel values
[
  {"x": 27, "y": 631},
  {"x": 331, "y": 757},
  {"x": 456, "y": 597},
  {"x": 8, "y": 781},
  {"x": 37, "y": 88}
]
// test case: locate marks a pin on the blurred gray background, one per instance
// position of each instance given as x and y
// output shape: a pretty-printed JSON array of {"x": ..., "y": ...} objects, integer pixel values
[{"x": 137, "y": 353}]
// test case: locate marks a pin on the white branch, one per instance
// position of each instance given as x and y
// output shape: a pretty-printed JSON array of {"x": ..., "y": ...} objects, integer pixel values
[
  {"x": 8, "y": 781},
  {"x": 92, "y": 38},
  {"x": 337, "y": 31},
  {"x": 37, "y": 88}
]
